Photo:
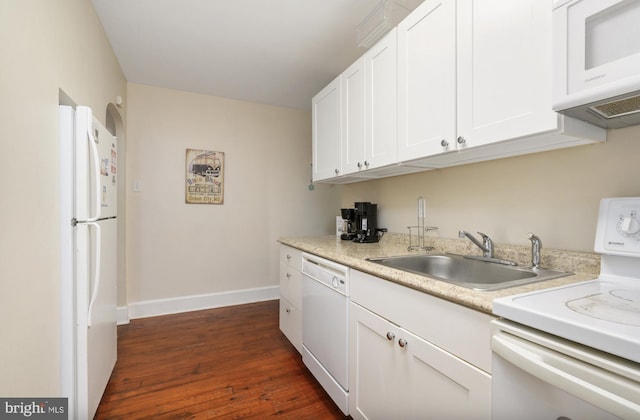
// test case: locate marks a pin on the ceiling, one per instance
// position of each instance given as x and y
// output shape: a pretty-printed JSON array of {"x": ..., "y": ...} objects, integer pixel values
[{"x": 278, "y": 52}]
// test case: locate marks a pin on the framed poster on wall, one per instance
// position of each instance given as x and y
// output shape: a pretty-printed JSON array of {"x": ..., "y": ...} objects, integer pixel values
[{"x": 204, "y": 177}]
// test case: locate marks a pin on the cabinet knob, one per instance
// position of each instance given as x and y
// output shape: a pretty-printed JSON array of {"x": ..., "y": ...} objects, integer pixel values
[
  {"x": 390, "y": 336},
  {"x": 288, "y": 256},
  {"x": 402, "y": 343},
  {"x": 366, "y": 163},
  {"x": 288, "y": 310},
  {"x": 359, "y": 165},
  {"x": 337, "y": 171},
  {"x": 444, "y": 143},
  {"x": 288, "y": 275},
  {"x": 461, "y": 140}
]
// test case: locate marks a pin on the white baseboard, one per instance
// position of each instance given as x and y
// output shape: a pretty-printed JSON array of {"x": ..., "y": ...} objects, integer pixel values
[
  {"x": 144, "y": 309},
  {"x": 123, "y": 315}
]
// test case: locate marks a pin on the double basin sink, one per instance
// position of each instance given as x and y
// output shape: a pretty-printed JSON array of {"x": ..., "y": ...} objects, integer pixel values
[{"x": 478, "y": 274}]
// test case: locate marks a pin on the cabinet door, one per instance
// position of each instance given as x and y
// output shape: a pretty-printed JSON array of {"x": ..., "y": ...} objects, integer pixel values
[
  {"x": 381, "y": 102},
  {"x": 326, "y": 136},
  {"x": 353, "y": 120},
  {"x": 443, "y": 386},
  {"x": 427, "y": 80},
  {"x": 291, "y": 285},
  {"x": 290, "y": 322},
  {"x": 377, "y": 390},
  {"x": 396, "y": 374},
  {"x": 504, "y": 70}
]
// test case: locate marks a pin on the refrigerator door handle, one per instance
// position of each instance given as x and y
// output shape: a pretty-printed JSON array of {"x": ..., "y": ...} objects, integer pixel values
[
  {"x": 95, "y": 279},
  {"x": 95, "y": 158}
]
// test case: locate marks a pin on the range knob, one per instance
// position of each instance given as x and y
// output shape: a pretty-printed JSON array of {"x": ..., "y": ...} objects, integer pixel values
[{"x": 629, "y": 226}]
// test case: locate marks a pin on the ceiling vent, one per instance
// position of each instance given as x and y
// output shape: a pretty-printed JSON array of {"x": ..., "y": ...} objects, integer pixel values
[{"x": 384, "y": 17}]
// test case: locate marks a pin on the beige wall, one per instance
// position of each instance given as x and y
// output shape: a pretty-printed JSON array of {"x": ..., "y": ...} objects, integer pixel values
[
  {"x": 553, "y": 194},
  {"x": 46, "y": 46},
  {"x": 178, "y": 250}
]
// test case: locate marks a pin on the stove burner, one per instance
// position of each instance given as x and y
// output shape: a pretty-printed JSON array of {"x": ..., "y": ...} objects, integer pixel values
[
  {"x": 632, "y": 296},
  {"x": 621, "y": 306}
]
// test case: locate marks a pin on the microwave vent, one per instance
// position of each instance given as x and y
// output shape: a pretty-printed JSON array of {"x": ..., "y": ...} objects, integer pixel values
[{"x": 618, "y": 108}]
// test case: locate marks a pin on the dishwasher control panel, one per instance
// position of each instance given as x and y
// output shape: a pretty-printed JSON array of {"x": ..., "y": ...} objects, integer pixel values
[{"x": 329, "y": 273}]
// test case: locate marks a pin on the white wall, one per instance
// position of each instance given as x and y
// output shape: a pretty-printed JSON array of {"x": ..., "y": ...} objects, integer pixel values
[
  {"x": 46, "y": 46},
  {"x": 178, "y": 250},
  {"x": 554, "y": 194}
]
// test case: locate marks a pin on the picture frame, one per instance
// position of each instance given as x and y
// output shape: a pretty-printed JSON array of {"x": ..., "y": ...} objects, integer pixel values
[{"x": 204, "y": 177}]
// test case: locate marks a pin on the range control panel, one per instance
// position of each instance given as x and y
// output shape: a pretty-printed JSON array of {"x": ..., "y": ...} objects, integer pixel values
[{"x": 618, "y": 231}]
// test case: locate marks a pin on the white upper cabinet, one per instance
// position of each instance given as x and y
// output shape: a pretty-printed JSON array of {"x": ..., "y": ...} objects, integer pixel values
[
  {"x": 327, "y": 131},
  {"x": 353, "y": 117},
  {"x": 504, "y": 70},
  {"x": 427, "y": 81},
  {"x": 381, "y": 102},
  {"x": 455, "y": 82}
]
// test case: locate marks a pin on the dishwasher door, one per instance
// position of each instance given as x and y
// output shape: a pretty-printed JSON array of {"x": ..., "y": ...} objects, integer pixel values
[
  {"x": 325, "y": 336},
  {"x": 537, "y": 376},
  {"x": 324, "y": 327}
]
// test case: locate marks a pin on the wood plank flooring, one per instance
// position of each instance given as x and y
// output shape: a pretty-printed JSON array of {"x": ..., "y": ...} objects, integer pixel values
[{"x": 230, "y": 362}]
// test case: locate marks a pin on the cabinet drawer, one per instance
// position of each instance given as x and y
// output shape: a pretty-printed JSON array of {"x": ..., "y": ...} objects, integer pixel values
[
  {"x": 461, "y": 331},
  {"x": 291, "y": 284},
  {"x": 291, "y": 323},
  {"x": 291, "y": 257}
]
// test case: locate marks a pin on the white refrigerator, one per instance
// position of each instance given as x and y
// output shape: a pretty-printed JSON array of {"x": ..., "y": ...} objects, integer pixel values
[{"x": 88, "y": 217}]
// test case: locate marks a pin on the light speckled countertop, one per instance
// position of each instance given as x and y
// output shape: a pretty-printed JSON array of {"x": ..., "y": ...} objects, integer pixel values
[{"x": 586, "y": 266}]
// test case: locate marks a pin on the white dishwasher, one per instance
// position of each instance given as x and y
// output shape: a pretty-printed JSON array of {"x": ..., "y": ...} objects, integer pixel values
[{"x": 325, "y": 335}]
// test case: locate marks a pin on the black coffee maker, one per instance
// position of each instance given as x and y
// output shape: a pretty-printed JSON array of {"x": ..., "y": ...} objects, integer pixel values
[{"x": 361, "y": 223}]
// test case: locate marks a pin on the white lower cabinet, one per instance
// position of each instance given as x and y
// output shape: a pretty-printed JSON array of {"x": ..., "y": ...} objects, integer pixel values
[
  {"x": 291, "y": 322},
  {"x": 291, "y": 295},
  {"x": 394, "y": 373},
  {"x": 397, "y": 374}
]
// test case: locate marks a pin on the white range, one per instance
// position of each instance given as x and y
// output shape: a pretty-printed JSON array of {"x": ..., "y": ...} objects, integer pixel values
[{"x": 580, "y": 341}]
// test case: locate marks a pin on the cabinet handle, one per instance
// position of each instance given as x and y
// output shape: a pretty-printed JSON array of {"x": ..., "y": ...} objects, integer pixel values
[
  {"x": 444, "y": 143},
  {"x": 337, "y": 171},
  {"x": 390, "y": 336},
  {"x": 461, "y": 140},
  {"x": 366, "y": 163},
  {"x": 402, "y": 343}
]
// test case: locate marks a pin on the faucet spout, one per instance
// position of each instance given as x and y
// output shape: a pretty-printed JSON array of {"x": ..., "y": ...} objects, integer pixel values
[{"x": 486, "y": 246}]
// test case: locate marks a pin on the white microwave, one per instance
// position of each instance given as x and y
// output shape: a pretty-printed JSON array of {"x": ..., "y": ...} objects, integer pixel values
[{"x": 596, "y": 61}]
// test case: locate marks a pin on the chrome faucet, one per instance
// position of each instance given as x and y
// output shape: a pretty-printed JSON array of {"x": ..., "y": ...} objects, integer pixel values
[
  {"x": 486, "y": 246},
  {"x": 536, "y": 245}
]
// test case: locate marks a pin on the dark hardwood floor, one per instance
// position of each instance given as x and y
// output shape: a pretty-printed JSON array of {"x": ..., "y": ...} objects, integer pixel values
[{"x": 230, "y": 362}]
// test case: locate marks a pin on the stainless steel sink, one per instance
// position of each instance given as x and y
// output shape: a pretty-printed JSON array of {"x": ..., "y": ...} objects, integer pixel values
[{"x": 471, "y": 273}]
